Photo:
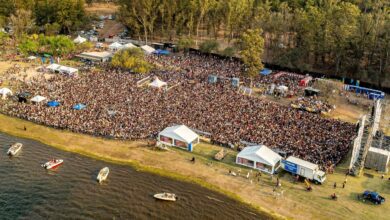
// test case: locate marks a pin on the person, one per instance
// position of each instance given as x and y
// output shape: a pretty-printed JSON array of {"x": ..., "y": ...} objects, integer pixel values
[
  {"x": 343, "y": 185},
  {"x": 193, "y": 160},
  {"x": 334, "y": 185},
  {"x": 334, "y": 196},
  {"x": 24, "y": 128}
]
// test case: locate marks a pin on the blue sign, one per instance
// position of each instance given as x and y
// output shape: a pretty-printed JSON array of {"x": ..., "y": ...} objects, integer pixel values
[{"x": 290, "y": 167}]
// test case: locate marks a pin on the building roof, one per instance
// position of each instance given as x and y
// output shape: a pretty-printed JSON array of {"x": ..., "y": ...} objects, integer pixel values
[
  {"x": 115, "y": 45},
  {"x": 180, "y": 132},
  {"x": 148, "y": 49},
  {"x": 301, "y": 162},
  {"x": 79, "y": 40},
  {"x": 95, "y": 55},
  {"x": 260, "y": 154},
  {"x": 129, "y": 45},
  {"x": 379, "y": 151}
]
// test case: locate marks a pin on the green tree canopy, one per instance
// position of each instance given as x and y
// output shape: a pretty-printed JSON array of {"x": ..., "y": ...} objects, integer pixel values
[
  {"x": 133, "y": 59},
  {"x": 251, "y": 51}
]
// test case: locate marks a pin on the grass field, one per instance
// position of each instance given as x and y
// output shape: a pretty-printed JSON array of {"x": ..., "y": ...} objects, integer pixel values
[{"x": 295, "y": 202}]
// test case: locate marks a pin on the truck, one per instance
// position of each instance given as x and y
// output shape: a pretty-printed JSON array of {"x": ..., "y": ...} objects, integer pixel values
[{"x": 304, "y": 169}]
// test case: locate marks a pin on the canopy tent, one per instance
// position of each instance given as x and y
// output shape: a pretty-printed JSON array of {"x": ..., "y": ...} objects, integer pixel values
[
  {"x": 53, "y": 104},
  {"x": 259, "y": 157},
  {"x": 115, "y": 46},
  {"x": 265, "y": 71},
  {"x": 282, "y": 89},
  {"x": 38, "y": 99},
  {"x": 96, "y": 56},
  {"x": 129, "y": 45},
  {"x": 157, "y": 83},
  {"x": 309, "y": 91},
  {"x": 79, "y": 106},
  {"x": 161, "y": 52},
  {"x": 53, "y": 67},
  {"x": 79, "y": 40},
  {"x": 4, "y": 92},
  {"x": 179, "y": 136},
  {"x": 148, "y": 49},
  {"x": 305, "y": 81},
  {"x": 31, "y": 57}
]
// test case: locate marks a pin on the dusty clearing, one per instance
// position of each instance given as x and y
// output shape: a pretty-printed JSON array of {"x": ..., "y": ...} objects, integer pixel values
[{"x": 101, "y": 8}]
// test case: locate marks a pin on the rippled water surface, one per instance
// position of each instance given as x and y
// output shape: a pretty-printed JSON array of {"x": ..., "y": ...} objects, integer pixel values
[{"x": 27, "y": 191}]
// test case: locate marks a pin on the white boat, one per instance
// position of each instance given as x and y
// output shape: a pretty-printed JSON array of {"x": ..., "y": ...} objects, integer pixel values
[
  {"x": 166, "y": 196},
  {"x": 14, "y": 149},
  {"x": 54, "y": 163},
  {"x": 103, "y": 173}
]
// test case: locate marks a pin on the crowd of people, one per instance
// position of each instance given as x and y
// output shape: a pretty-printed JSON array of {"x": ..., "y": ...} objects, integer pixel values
[{"x": 116, "y": 107}]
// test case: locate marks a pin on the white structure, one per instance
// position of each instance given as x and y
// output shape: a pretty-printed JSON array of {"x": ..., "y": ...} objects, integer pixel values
[
  {"x": 38, "y": 99},
  {"x": 148, "y": 49},
  {"x": 79, "y": 40},
  {"x": 96, "y": 56},
  {"x": 31, "y": 57},
  {"x": 62, "y": 69},
  {"x": 115, "y": 46},
  {"x": 179, "y": 136},
  {"x": 4, "y": 92},
  {"x": 157, "y": 83},
  {"x": 129, "y": 45},
  {"x": 260, "y": 158},
  {"x": 377, "y": 159}
]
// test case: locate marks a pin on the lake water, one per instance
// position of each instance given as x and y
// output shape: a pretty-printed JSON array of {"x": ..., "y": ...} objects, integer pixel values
[{"x": 27, "y": 191}]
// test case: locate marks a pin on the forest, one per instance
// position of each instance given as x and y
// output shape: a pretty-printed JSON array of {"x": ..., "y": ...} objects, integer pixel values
[
  {"x": 349, "y": 38},
  {"x": 341, "y": 38}
]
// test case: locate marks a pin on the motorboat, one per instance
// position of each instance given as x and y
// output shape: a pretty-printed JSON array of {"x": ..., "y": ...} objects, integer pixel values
[
  {"x": 103, "y": 173},
  {"x": 14, "y": 149},
  {"x": 54, "y": 163},
  {"x": 166, "y": 196}
]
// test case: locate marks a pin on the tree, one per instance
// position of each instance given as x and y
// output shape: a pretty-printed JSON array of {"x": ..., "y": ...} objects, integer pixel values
[
  {"x": 185, "y": 43},
  {"x": 209, "y": 46},
  {"x": 133, "y": 59},
  {"x": 251, "y": 51},
  {"x": 21, "y": 22},
  {"x": 52, "y": 29},
  {"x": 28, "y": 46}
]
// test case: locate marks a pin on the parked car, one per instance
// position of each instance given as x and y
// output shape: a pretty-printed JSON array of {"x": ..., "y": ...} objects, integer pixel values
[{"x": 372, "y": 197}]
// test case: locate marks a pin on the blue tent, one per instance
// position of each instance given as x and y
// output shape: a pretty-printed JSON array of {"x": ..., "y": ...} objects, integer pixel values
[
  {"x": 161, "y": 52},
  {"x": 53, "y": 104},
  {"x": 79, "y": 106},
  {"x": 265, "y": 72}
]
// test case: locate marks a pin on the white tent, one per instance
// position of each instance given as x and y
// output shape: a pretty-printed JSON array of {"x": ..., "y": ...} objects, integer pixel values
[
  {"x": 53, "y": 67},
  {"x": 157, "y": 83},
  {"x": 179, "y": 136},
  {"x": 32, "y": 57},
  {"x": 4, "y": 92},
  {"x": 259, "y": 157},
  {"x": 148, "y": 49},
  {"x": 115, "y": 46},
  {"x": 38, "y": 99},
  {"x": 67, "y": 70},
  {"x": 79, "y": 40},
  {"x": 129, "y": 45}
]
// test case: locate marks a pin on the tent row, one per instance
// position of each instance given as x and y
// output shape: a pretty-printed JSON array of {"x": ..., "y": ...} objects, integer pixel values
[
  {"x": 54, "y": 103},
  {"x": 62, "y": 69},
  {"x": 146, "y": 48}
]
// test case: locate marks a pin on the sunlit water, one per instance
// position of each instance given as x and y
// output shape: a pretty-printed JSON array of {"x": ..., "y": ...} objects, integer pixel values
[{"x": 27, "y": 191}]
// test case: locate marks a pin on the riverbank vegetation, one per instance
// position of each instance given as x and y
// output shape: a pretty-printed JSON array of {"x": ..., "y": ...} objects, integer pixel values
[{"x": 344, "y": 38}]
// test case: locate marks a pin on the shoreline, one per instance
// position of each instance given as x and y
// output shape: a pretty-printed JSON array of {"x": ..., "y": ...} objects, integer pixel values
[{"x": 17, "y": 130}]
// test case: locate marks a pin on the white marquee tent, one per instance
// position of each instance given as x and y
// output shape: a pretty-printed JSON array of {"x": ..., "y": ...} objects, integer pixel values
[
  {"x": 157, "y": 83},
  {"x": 179, "y": 136},
  {"x": 62, "y": 69},
  {"x": 79, "y": 40},
  {"x": 129, "y": 45},
  {"x": 115, "y": 46},
  {"x": 5, "y": 92},
  {"x": 32, "y": 57},
  {"x": 259, "y": 157},
  {"x": 148, "y": 49},
  {"x": 38, "y": 99}
]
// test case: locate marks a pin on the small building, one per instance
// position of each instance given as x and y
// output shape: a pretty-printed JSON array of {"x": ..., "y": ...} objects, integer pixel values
[
  {"x": 260, "y": 158},
  {"x": 179, "y": 136},
  {"x": 377, "y": 159},
  {"x": 115, "y": 46},
  {"x": 96, "y": 56}
]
